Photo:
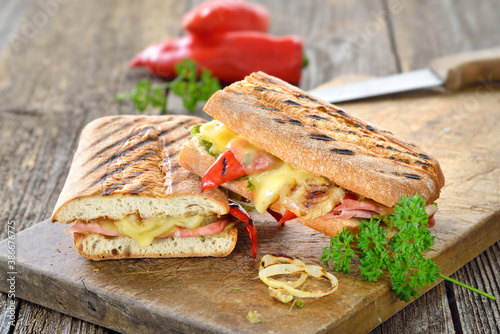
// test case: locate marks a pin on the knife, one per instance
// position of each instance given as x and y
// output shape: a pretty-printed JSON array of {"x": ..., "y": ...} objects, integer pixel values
[{"x": 451, "y": 72}]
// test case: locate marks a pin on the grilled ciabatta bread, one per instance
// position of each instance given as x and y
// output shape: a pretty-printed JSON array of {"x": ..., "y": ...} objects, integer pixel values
[
  {"x": 341, "y": 169},
  {"x": 324, "y": 140},
  {"x": 128, "y": 165}
]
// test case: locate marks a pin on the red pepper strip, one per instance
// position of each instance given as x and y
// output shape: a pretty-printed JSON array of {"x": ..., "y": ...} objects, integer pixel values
[
  {"x": 236, "y": 210},
  {"x": 276, "y": 215},
  {"x": 224, "y": 169},
  {"x": 281, "y": 219},
  {"x": 289, "y": 215},
  {"x": 217, "y": 16},
  {"x": 229, "y": 56}
]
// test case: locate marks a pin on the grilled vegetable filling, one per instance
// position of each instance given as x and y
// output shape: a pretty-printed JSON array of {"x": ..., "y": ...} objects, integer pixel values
[{"x": 271, "y": 180}]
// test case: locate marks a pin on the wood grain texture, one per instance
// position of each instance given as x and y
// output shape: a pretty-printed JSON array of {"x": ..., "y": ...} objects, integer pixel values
[{"x": 69, "y": 70}]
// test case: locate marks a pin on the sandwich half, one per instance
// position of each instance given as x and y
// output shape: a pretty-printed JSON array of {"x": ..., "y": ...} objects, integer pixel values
[
  {"x": 299, "y": 157},
  {"x": 129, "y": 198}
]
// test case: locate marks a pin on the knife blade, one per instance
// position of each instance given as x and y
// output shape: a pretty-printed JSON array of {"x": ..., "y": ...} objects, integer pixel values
[{"x": 452, "y": 72}]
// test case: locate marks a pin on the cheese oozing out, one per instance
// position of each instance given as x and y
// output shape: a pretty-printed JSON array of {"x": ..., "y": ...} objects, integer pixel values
[
  {"x": 269, "y": 184},
  {"x": 144, "y": 231}
]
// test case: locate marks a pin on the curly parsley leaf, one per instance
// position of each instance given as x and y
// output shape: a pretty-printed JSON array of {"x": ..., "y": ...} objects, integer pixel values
[
  {"x": 340, "y": 253},
  {"x": 403, "y": 256},
  {"x": 372, "y": 242},
  {"x": 187, "y": 85}
]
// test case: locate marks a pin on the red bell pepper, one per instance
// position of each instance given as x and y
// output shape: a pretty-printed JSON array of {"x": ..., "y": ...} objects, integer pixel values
[
  {"x": 224, "y": 169},
  {"x": 236, "y": 210},
  {"x": 229, "y": 56},
  {"x": 216, "y": 16}
]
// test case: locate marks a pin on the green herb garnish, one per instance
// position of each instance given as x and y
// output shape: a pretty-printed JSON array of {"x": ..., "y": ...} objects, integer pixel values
[
  {"x": 186, "y": 85},
  {"x": 299, "y": 303},
  {"x": 250, "y": 186},
  {"x": 402, "y": 256}
]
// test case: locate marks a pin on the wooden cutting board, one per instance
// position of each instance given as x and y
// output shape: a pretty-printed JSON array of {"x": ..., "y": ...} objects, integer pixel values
[{"x": 215, "y": 294}]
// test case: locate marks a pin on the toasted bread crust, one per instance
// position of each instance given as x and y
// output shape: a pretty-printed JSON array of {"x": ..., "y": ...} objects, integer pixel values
[
  {"x": 324, "y": 140},
  {"x": 195, "y": 158},
  {"x": 133, "y": 156},
  {"x": 98, "y": 247}
]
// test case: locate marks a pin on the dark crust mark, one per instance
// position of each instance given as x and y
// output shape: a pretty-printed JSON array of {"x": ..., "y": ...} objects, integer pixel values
[
  {"x": 379, "y": 145},
  {"x": 224, "y": 166},
  {"x": 358, "y": 125},
  {"x": 320, "y": 137},
  {"x": 371, "y": 128},
  {"x": 235, "y": 92},
  {"x": 164, "y": 132},
  {"x": 118, "y": 185},
  {"x": 121, "y": 168},
  {"x": 342, "y": 151},
  {"x": 295, "y": 122},
  {"x": 173, "y": 141},
  {"x": 346, "y": 131},
  {"x": 263, "y": 89},
  {"x": 394, "y": 149},
  {"x": 410, "y": 176},
  {"x": 423, "y": 156},
  {"x": 292, "y": 103},
  {"x": 342, "y": 112},
  {"x": 117, "y": 156},
  {"x": 270, "y": 109},
  {"x": 418, "y": 162},
  {"x": 399, "y": 160},
  {"x": 279, "y": 120},
  {"x": 139, "y": 189},
  {"x": 319, "y": 118},
  {"x": 123, "y": 127},
  {"x": 118, "y": 143}
]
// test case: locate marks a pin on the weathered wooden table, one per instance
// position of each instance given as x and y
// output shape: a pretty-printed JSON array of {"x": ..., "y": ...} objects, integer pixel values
[{"x": 62, "y": 62}]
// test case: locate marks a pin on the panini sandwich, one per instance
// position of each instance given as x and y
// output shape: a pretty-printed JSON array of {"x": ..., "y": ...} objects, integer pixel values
[
  {"x": 128, "y": 197},
  {"x": 299, "y": 157}
]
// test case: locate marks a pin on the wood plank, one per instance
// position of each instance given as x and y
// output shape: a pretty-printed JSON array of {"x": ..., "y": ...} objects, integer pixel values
[
  {"x": 463, "y": 230},
  {"x": 478, "y": 314},
  {"x": 72, "y": 85}
]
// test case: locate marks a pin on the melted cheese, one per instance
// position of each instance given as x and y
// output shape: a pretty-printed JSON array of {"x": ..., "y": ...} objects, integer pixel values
[
  {"x": 218, "y": 134},
  {"x": 269, "y": 184},
  {"x": 146, "y": 230}
]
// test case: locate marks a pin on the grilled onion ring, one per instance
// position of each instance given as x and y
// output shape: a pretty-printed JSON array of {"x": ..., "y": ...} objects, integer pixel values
[
  {"x": 273, "y": 259},
  {"x": 288, "y": 268}
]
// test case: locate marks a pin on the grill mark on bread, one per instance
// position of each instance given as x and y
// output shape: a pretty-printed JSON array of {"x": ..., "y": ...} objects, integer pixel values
[
  {"x": 138, "y": 189},
  {"x": 292, "y": 103},
  {"x": 121, "y": 168},
  {"x": 295, "y": 122},
  {"x": 263, "y": 89},
  {"x": 118, "y": 155},
  {"x": 109, "y": 190},
  {"x": 421, "y": 163},
  {"x": 175, "y": 140},
  {"x": 319, "y": 118},
  {"x": 408, "y": 175},
  {"x": 120, "y": 142},
  {"x": 342, "y": 151},
  {"x": 270, "y": 109},
  {"x": 166, "y": 131},
  {"x": 123, "y": 127},
  {"x": 319, "y": 136},
  {"x": 279, "y": 120}
]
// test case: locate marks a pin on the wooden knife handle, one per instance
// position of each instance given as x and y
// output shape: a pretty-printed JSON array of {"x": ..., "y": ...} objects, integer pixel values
[{"x": 461, "y": 70}]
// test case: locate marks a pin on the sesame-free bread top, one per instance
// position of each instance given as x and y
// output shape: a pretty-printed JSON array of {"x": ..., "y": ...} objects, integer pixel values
[
  {"x": 324, "y": 140},
  {"x": 129, "y": 165}
]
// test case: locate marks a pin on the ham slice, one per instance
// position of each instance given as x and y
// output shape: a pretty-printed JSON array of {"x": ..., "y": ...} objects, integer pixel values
[
  {"x": 350, "y": 208},
  {"x": 214, "y": 228},
  {"x": 366, "y": 208}
]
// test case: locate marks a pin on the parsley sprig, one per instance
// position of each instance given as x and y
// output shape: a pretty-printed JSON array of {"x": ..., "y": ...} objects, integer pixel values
[
  {"x": 402, "y": 256},
  {"x": 187, "y": 85}
]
